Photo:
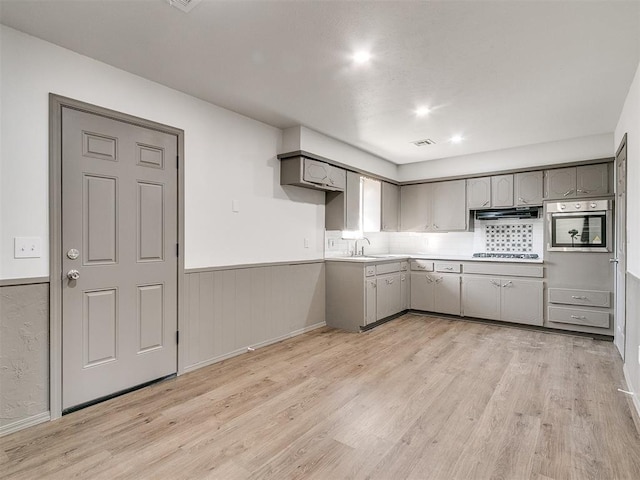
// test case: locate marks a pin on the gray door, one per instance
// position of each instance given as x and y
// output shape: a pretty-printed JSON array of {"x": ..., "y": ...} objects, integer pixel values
[
  {"x": 119, "y": 233},
  {"x": 621, "y": 246}
]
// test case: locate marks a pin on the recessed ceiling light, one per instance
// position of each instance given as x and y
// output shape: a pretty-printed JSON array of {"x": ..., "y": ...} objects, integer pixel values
[
  {"x": 422, "y": 111},
  {"x": 361, "y": 57},
  {"x": 456, "y": 139}
]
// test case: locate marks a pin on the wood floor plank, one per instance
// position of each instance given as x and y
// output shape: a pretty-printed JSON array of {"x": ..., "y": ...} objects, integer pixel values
[{"x": 419, "y": 397}]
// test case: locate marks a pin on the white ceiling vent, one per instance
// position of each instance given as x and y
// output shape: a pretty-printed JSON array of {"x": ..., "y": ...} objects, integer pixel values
[
  {"x": 184, "y": 5},
  {"x": 424, "y": 143}
]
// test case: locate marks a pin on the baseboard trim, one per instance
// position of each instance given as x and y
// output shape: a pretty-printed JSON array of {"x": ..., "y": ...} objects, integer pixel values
[
  {"x": 25, "y": 423},
  {"x": 635, "y": 402},
  {"x": 240, "y": 351}
]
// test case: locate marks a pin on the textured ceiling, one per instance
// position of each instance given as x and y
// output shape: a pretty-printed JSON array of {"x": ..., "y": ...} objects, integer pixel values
[{"x": 502, "y": 74}]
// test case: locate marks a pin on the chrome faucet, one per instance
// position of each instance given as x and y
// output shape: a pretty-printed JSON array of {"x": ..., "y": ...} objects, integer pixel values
[{"x": 361, "y": 252}]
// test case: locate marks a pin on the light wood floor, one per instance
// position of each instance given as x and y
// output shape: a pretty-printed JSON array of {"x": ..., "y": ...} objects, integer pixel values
[{"x": 416, "y": 398}]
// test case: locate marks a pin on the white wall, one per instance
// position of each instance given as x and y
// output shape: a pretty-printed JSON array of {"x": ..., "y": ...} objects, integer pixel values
[
  {"x": 573, "y": 150},
  {"x": 629, "y": 123},
  {"x": 303, "y": 138},
  {"x": 228, "y": 157}
]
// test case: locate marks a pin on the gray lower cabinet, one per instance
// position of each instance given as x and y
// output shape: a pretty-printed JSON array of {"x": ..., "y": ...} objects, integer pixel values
[
  {"x": 388, "y": 295},
  {"x": 405, "y": 291},
  {"x": 435, "y": 292},
  {"x": 503, "y": 298},
  {"x": 359, "y": 294}
]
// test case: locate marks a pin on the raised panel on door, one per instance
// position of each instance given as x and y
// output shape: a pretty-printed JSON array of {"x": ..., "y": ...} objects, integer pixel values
[
  {"x": 481, "y": 297},
  {"x": 415, "y": 208},
  {"x": 100, "y": 220},
  {"x": 422, "y": 291},
  {"x": 447, "y": 294},
  {"x": 449, "y": 206},
  {"x": 522, "y": 301},
  {"x": 502, "y": 191},
  {"x": 150, "y": 317},
  {"x": 390, "y": 221},
  {"x": 592, "y": 180},
  {"x": 315, "y": 172},
  {"x": 528, "y": 188},
  {"x": 478, "y": 193},
  {"x": 560, "y": 183},
  {"x": 119, "y": 210}
]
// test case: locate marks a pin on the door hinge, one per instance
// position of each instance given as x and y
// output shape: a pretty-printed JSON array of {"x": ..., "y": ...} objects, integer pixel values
[{"x": 177, "y": 336}]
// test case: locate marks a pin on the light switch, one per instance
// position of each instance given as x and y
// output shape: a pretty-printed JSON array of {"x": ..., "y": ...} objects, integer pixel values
[
  {"x": 235, "y": 206},
  {"x": 27, "y": 247}
]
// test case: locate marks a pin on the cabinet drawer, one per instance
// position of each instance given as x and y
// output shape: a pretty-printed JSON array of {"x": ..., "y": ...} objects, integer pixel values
[
  {"x": 369, "y": 270},
  {"x": 591, "y": 298},
  {"x": 447, "y": 267},
  {"x": 387, "y": 268},
  {"x": 422, "y": 265},
  {"x": 576, "y": 316}
]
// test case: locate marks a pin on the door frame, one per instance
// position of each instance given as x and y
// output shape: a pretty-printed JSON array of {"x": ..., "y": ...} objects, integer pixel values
[
  {"x": 56, "y": 104},
  {"x": 623, "y": 306}
]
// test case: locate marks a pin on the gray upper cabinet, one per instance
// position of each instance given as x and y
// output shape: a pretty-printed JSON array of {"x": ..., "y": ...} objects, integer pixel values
[
  {"x": 310, "y": 173},
  {"x": 478, "y": 193},
  {"x": 592, "y": 180},
  {"x": 572, "y": 182},
  {"x": 528, "y": 188},
  {"x": 342, "y": 209},
  {"x": 502, "y": 191},
  {"x": 448, "y": 206},
  {"x": 433, "y": 207},
  {"x": 390, "y": 213},
  {"x": 415, "y": 207},
  {"x": 560, "y": 183}
]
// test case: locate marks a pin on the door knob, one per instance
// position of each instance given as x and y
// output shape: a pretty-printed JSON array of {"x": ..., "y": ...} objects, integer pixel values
[
  {"x": 73, "y": 274},
  {"x": 613, "y": 260}
]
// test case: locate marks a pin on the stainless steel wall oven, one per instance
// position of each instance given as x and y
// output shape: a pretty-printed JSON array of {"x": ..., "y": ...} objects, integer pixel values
[{"x": 580, "y": 226}]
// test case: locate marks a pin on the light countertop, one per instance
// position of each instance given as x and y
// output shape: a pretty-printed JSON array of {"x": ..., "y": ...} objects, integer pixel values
[{"x": 427, "y": 256}]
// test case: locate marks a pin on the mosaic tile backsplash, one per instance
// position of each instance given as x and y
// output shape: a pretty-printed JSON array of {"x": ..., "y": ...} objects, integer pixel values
[{"x": 509, "y": 238}]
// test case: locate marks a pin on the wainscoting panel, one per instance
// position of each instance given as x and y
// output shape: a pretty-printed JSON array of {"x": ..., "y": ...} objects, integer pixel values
[
  {"x": 228, "y": 311},
  {"x": 632, "y": 339},
  {"x": 24, "y": 356}
]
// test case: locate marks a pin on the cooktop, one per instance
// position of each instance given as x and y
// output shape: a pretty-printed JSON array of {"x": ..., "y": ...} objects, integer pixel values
[{"x": 528, "y": 256}]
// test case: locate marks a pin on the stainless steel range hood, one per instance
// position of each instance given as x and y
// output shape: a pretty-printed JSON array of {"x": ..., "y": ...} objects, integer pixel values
[{"x": 497, "y": 214}]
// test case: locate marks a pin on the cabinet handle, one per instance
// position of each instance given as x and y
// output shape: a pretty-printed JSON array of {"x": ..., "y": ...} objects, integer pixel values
[
  {"x": 389, "y": 281},
  {"x": 438, "y": 280},
  {"x": 495, "y": 284},
  {"x": 579, "y": 297},
  {"x": 568, "y": 192},
  {"x": 374, "y": 284},
  {"x": 522, "y": 200},
  {"x": 435, "y": 226},
  {"x": 579, "y": 317},
  {"x": 583, "y": 191},
  {"x": 508, "y": 283},
  {"x": 429, "y": 279},
  {"x": 447, "y": 268},
  {"x": 485, "y": 203}
]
